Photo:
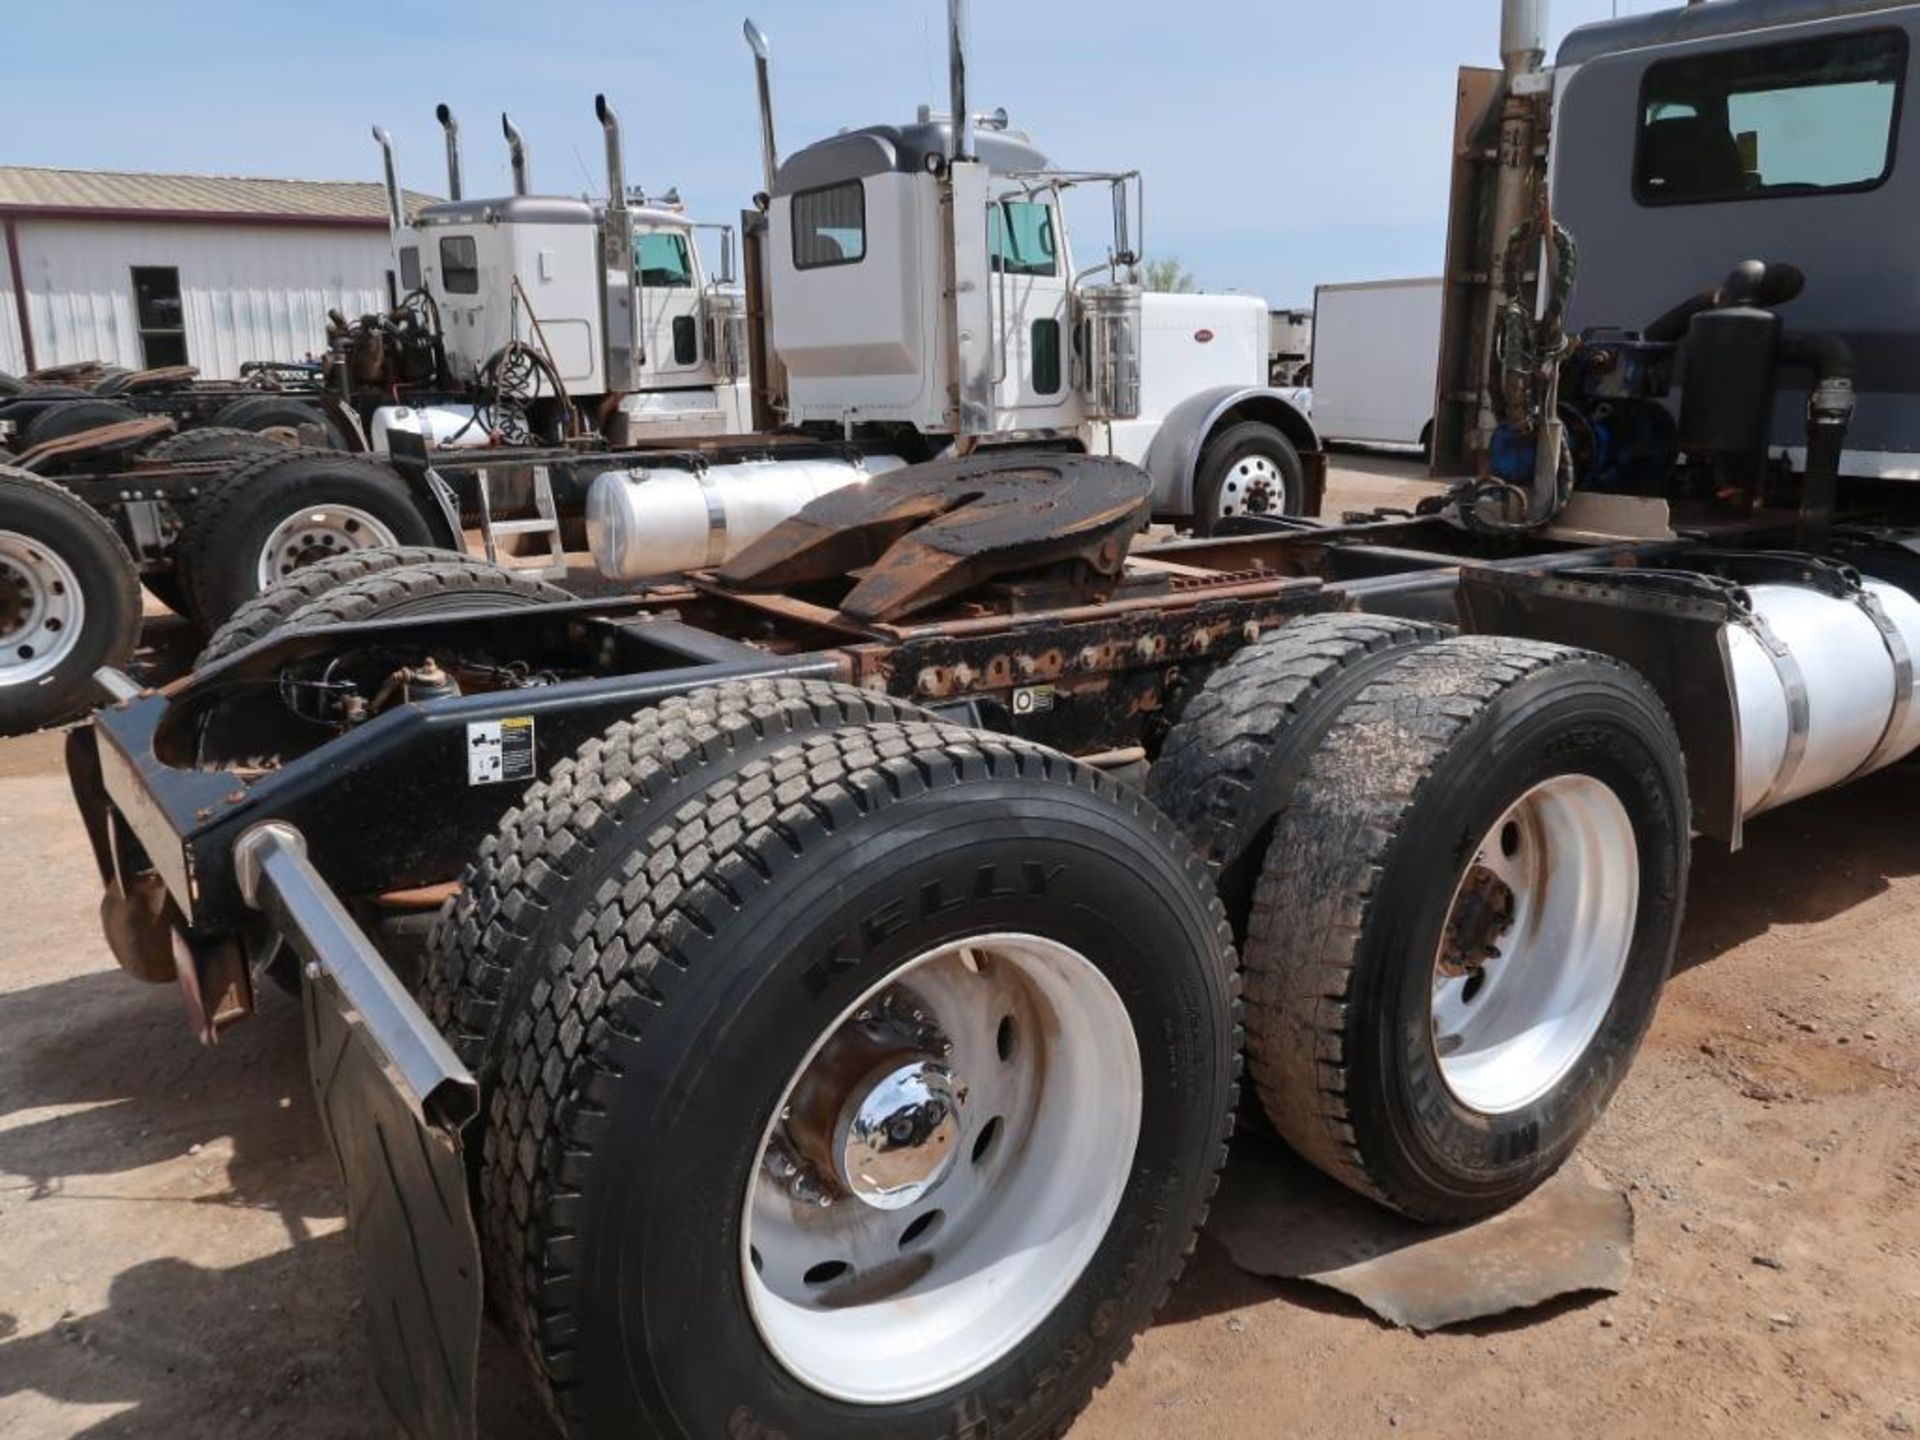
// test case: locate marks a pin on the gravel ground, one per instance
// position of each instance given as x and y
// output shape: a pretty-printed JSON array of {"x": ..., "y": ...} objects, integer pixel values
[{"x": 173, "y": 1260}]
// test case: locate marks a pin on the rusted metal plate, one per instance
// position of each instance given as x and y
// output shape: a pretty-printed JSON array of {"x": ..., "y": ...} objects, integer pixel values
[
  {"x": 163, "y": 377},
  {"x": 930, "y": 532},
  {"x": 101, "y": 440},
  {"x": 1279, "y": 1217},
  {"x": 79, "y": 372}
]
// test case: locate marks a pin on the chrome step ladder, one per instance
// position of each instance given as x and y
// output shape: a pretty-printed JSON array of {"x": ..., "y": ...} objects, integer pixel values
[{"x": 546, "y": 521}]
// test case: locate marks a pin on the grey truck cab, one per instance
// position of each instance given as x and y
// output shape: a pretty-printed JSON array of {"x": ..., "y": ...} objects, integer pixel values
[{"x": 1688, "y": 140}]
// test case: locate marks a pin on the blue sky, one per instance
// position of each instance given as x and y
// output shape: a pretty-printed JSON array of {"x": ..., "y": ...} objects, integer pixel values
[{"x": 1285, "y": 144}]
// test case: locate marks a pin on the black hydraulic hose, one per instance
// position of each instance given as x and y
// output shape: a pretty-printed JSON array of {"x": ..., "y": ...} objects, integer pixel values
[
  {"x": 1827, "y": 355},
  {"x": 1829, "y": 417}
]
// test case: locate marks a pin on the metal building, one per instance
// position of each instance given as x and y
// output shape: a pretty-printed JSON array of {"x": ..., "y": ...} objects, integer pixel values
[{"x": 150, "y": 270}]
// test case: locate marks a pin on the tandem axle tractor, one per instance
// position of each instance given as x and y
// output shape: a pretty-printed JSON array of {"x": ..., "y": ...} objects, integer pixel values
[{"x": 807, "y": 996}]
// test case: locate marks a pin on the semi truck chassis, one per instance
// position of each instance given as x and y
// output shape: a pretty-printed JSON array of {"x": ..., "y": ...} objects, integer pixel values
[{"x": 218, "y": 866}]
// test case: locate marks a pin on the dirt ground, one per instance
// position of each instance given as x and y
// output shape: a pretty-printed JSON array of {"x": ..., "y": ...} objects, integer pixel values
[{"x": 173, "y": 1260}]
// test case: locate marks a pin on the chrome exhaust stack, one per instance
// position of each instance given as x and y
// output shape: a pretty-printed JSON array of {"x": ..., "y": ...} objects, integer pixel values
[
  {"x": 763, "y": 83},
  {"x": 516, "y": 154},
  {"x": 618, "y": 298},
  {"x": 447, "y": 123},
  {"x": 616, "y": 165},
  {"x": 1523, "y": 36},
  {"x": 396, "y": 207}
]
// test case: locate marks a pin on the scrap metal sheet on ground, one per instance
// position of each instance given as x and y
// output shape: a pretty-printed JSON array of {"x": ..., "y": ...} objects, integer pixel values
[{"x": 1279, "y": 1217}]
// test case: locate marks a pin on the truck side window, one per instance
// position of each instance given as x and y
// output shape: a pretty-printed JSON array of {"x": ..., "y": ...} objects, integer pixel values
[
  {"x": 409, "y": 269},
  {"x": 1020, "y": 238},
  {"x": 1046, "y": 356},
  {"x": 459, "y": 265},
  {"x": 830, "y": 225},
  {"x": 1798, "y": 119},
  {"x": 661, "y": 258}
]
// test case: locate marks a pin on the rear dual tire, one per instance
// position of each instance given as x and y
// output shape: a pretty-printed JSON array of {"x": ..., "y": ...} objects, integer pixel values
[
  {"x": 1466, "y": 904},
  {"x": 674, "y": 1032}
]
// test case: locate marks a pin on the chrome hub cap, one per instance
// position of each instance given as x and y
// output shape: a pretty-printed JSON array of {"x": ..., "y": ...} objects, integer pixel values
[
  {"x": 1254, "y": 486},
  {"x": 941, "y": 1168},
  {"x": 42, "y": 610},
  {"x": 318, "y": 534},
  {"x": 898, "y": 1140},
  {"x": 1535, "y": 944}
]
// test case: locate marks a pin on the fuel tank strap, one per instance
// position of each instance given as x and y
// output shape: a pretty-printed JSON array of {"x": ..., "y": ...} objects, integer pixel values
[
  {"x": 716, "y": 522},
  {"x": 1793, "y": 683},
  {"x": 1902, "y": 657}
]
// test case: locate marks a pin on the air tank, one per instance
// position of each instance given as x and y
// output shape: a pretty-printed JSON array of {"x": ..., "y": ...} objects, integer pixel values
[
  {"x": 443, "y": 427},
  {"x": 653, "y": 521},
  {"x": 1824, "y": 685}
]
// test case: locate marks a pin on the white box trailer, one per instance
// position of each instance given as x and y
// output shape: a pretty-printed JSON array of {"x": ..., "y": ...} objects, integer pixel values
[{"x": 1376, "y": 349}]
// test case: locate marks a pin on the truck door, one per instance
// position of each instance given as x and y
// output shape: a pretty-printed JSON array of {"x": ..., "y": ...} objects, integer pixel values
[
  {"x": 669, "y": 304},
  {"x": 1028, "y": 276}
]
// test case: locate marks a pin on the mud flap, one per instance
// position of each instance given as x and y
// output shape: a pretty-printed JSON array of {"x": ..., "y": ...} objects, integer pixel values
[
  {"x": 411, "y": 1224},
  {"x": 394, "y": 1099}
]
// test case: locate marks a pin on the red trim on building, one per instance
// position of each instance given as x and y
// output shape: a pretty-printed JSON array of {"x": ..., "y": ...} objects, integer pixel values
[
  {"x": 194, "y": 217},
  {"x": 20, "y": 295}
]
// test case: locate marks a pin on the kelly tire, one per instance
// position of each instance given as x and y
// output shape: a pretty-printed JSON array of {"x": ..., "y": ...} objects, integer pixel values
[
  {"x": 578, "y": 829},
  {"x": 750, "y": 922}
]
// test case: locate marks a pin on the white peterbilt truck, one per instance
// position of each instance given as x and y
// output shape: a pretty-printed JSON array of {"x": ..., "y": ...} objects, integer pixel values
[
  {"x": 607, "y": 307},
  {"x": 910, "y": 292}
]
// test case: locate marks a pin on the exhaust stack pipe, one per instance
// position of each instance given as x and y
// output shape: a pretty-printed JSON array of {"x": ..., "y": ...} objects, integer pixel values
[
  {"x": 516, "y": 155},
  {"x": 957, "y": 79},
  {"x": 616, "y": 167},
  {"x": 452, "y": 127},
  {"x": 763, "y": 83},
  {"x": 1523, "y": 36},
  {"x": 625, "y": 352},
  {"x": 396, "y": 208}
]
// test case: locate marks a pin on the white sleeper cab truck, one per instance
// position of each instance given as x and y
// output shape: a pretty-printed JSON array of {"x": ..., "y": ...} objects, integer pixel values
[
  {"x": 923, "y": 283},
  {"x": 559, "y": 311},
  {"x": 917, "y": 298}
]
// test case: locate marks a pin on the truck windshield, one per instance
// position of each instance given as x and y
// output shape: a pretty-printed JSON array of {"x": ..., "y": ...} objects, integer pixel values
[
  {"x": 1020, "y": 234},
  {"x": 660, "y": 256},
  {"x": 1793, "y": 119}
]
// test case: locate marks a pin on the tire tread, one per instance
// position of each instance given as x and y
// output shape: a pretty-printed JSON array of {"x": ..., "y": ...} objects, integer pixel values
[
  {"x": 733, "y": 837},
  {"x": 1211, "y": 773}
]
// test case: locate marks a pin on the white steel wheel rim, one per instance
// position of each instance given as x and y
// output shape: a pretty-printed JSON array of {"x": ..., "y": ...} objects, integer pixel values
[
  {"x": 319, "y": 532},
  {"x": 1253, "y": 485},
  {"x": 1535, "y": 944},
  {"x": 941, "y": 1284},
  {"x": 42, "y": 609}
]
